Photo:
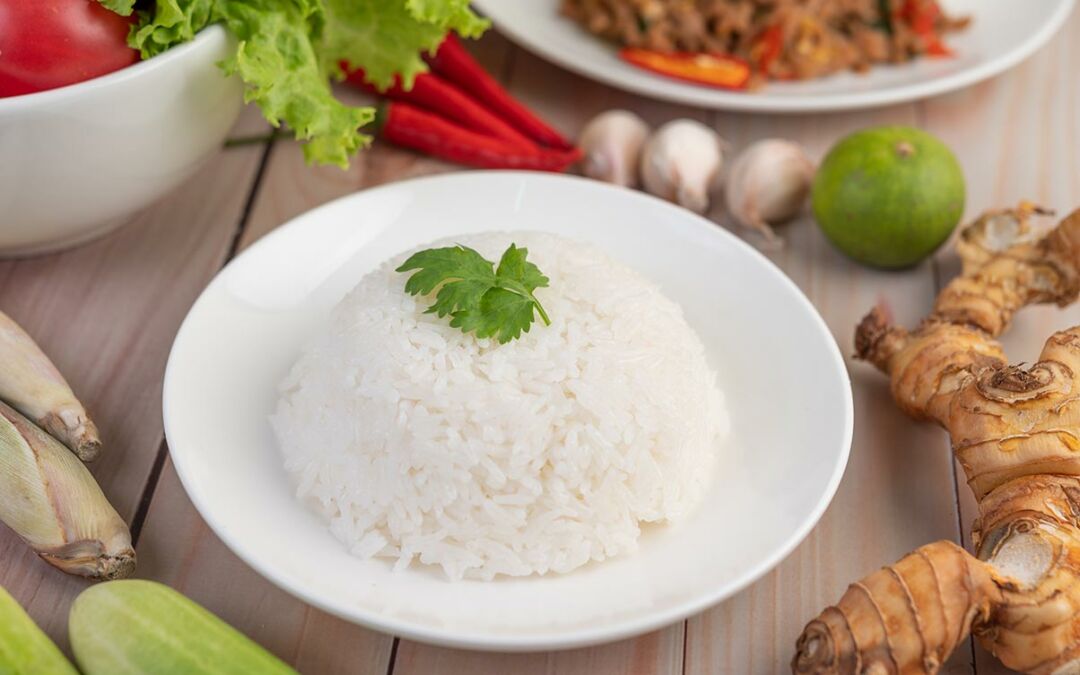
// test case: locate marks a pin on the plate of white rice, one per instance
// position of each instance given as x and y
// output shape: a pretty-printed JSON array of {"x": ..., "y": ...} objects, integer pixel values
[{"x": 616, "y": 468}]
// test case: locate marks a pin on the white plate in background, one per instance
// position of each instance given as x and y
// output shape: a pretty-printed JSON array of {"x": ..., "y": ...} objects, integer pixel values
[
  {"x": 1002, "y": 33},
  {"x": 787, "y": 390}
]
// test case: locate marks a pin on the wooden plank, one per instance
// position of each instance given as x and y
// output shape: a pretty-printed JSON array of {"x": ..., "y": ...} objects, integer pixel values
[
  {"x": 107, "y": 313},
  {"x": 1020, "y": 144},
  {"x": 658, "y": 652},
  {"x": 177, "y": 547},
  {"x": 898, "y": 490}
]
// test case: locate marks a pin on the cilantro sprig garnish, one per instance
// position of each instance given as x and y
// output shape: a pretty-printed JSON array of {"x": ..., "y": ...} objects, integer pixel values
[{"x": 478, "y": 297}]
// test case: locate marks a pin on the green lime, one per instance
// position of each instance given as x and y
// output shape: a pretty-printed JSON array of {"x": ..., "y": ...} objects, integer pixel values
[{"x": 889, "y": 196}]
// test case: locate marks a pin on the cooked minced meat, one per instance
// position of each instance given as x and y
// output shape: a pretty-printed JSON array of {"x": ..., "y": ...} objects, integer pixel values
[{"x": 780, "y": 39}]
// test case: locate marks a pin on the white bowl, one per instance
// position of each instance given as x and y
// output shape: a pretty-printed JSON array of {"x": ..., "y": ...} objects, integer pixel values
[
  {"x": 787, "y": 390},
  {"x": 77, "y": 160}
]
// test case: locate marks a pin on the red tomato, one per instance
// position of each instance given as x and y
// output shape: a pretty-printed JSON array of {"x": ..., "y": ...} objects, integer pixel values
[{"x": 46, "y": 44}]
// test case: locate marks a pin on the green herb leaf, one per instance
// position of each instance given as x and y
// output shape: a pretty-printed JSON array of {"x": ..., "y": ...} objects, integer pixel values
[
  {"x": 480, "y": 299},
  {"x": 885, "y": 12},
  {"x": 466, "y": 273},
  {"x": 514, "y": 266}
]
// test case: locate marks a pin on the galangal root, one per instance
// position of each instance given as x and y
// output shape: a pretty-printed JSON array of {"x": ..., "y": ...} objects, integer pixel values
[
  {"x": 30, "y": 383},
  {"x": 1016, "y": 432}
]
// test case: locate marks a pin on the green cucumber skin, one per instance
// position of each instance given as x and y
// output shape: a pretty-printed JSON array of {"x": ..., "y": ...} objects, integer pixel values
[
  {"x": 24, "y": 648},
  {"x": 136, "y": 627}
]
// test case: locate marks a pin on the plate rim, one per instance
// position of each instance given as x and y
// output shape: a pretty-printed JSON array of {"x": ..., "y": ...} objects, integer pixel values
[
  {"x": 448, "y": 637},
  {"x": 716, "y": 99}
]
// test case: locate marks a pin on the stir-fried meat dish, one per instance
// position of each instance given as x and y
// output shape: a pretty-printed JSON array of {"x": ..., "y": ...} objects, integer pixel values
[{"x": 778, "y": 39}]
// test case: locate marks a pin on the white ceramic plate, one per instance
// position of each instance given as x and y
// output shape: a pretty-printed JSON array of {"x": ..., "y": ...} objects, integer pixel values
[
  {"x": 1003, "y": 33},
  {"x": 787, "y": 388}
]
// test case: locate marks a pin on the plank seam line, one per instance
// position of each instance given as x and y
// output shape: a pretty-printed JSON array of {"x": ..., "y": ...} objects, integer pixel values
[
  {"x": 148, "y": 493},
  {"x": 147, "y": 496},
  {"x": 249, "y": 205},
  {"x": 393, "y": 656},
  {"x": 935, "y": 269},
  {"x": 685, "y": 633},
  {"x": 509, "y": 61}
]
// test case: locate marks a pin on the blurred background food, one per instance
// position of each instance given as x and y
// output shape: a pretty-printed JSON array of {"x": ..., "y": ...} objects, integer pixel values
[{"x": 777, "y": 39}]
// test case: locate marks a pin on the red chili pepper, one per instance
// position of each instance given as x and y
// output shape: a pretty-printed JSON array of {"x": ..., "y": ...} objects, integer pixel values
[
  {"x": 454, "y": 63},
  {"x": 768, "y": 46},
  {"x": 726, "y": 72},
  {"x": 922, "y": 16},
  {"x": 436, "y": 94},
  {"x": 936, "y": 47},
  {"x": 411, "y": 127}
]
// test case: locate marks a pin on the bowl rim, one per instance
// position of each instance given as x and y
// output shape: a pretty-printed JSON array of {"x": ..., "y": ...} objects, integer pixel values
[{"x": 204, "y": 39}]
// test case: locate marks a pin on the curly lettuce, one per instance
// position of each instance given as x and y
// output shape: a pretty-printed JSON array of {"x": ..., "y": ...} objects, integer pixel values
[
  {"x": 287, "y": 52},
  {"x": 386, "y": 37},
  {"x": 121, "y": 7}
]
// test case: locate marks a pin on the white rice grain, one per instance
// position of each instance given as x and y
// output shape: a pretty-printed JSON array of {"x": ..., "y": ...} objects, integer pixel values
[{"x": 416, "y": 441}]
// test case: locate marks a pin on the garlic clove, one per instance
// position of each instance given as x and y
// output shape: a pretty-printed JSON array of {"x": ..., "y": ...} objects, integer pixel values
[
  {"x": 693, "y": 198},
  {"x": 49, "y": 498},
  {"x": 31, "y": 383},
  {"x": 681, "y": 163},
  {"x": 768, "y": 184},
  {"x": 611, "y": 143}
]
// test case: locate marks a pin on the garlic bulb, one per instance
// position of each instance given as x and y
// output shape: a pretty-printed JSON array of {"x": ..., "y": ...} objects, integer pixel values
[
  {"x": 612, "y": 144},
  {"x": 681, "y": 163},
  {"x": 768, "y": 185}
]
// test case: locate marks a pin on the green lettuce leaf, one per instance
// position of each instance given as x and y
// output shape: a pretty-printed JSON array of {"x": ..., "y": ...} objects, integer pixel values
[
  {"x": 170, "y": 23},
  {"x": 277, "y": 61},
  {"x": 288, "y": 50},
  {"x": 386, "y": 37},
  {"x": 121, "y": 7},
  {"x": 452, "y": 14}
]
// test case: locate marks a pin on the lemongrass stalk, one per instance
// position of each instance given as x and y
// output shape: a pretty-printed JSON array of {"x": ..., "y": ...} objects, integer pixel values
[
  {"x": 31, "y": 383},
  {"x": 50, "y": 500}
]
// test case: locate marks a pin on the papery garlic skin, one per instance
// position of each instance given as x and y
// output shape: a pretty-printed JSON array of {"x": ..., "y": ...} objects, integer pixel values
[
  {"x": 681, "y": 163},
  {"x": 50, "y": 500},
  {"x": 768, "y": 184},
  {"x": 612, "y": 143},
  {"x": 30, "y": 383}
]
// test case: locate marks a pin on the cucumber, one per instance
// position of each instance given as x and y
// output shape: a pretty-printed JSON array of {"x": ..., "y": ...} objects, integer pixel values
[
  {"x": 141, "y": 627},
  {"x": 24, "y": 648}
]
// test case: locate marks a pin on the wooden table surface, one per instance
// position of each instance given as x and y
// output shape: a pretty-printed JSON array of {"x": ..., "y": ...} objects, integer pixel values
[{"x": 108, "y": 312}]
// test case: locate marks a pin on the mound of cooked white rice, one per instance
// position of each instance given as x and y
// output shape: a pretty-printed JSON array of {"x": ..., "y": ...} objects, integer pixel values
[{"x": 417, "y": 441}]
